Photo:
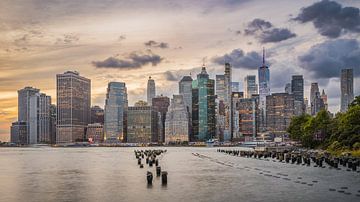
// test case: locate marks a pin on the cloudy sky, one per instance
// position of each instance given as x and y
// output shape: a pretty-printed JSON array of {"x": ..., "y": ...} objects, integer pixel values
[{"x": 115, "y": 40}]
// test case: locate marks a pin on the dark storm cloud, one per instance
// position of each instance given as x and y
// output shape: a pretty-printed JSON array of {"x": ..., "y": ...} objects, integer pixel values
[
  {"x": 134, "y": 60},
  {"x": 154, "y": 44},
  {"x": 265, "y": 32},
  {"x": 257, "y": 25},
  {"x": 326, "y": 60},
  {"x": 238, "y": 59},
  {"x": 330, "y": 18},
  {"x": 276, "y": 35}
]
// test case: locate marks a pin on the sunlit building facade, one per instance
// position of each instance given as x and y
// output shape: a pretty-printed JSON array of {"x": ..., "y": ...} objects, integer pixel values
[
  {"x": 73, "y": 106},
  {"x": 115, "y": 118},
  {"x": 250, "y": 86}
]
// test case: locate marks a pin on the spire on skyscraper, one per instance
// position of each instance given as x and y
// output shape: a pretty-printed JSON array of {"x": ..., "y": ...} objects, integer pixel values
[{"x": 263, "y": 56}]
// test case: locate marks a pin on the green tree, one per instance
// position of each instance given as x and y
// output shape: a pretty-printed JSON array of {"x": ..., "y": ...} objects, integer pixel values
[
  {"x": 296, "y": 126},
  {"x": 355, "y": 102}
]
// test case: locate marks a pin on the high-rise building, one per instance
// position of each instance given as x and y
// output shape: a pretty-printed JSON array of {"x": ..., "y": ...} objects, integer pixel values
[
  {"x": 97, "y": 115},
  {"x": 34, "y": 110},
  {"x": 264, "y": 91},
  {"x": 324, "y": 98},
  {"x": 297, "y": 89},
  {"x": 288, "y": 88},
  {"x": 142, "y": 124},
  {"x": 314, "y": 90},
  {"x": 160, "y": 104},
  {"x": 248, "y": 111},
  {"x": 235, "y": 98},
  {"x": 95, "y": 132},
  {"x": 177, "y": 121},
  {"x": 347, "y": 88},
  {"x": 223, "y": 115},
  {"x": 73, "y": 106},
  {"x": 317, "y": 104},
  {"x": 279, "y": 111},
  {"x": 235, "y": 86},
  {"x": 250, "y": 86},
  {"x": 116, "y": 105},
  {"x": 203, "y": 107},
  {"x": 53, "y": 124},
  {"x": 185, "y": 89},
  {"x": 19, "y": 134},
  {"x": 151, "y": 90}
]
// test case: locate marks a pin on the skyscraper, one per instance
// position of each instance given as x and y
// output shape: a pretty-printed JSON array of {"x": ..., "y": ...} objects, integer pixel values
[
  {"x": 248, "y": 111},
  {"x": 223, "y": 92},
  {"x": 250, "y": 86},
  {"x": 142, "y": 125},
  {"x": 279, "y": 111},
  {"x": 177, "y": 121},
  {"x": 235, "y": 98},
  {"x": 185, "y": 87},
  {"x": 160, "y": 104},
  {"x": 324, "y": 98},
  {"x": 116, "y": 105},
  {"x": 203, "y": 107},
  {"x": 34, "y": 111},
  {"x": 235, "y": 86},
  {"x": 314, "y": 90},
  {"x": 264, "y": 90},
  {"x": 297, "y": 89},
  {"x": 151, "y": 90},
  {"x": 347, "y": 88},
  {"x": 317, "y": 104},
  {"x": 73, "y": 106}
]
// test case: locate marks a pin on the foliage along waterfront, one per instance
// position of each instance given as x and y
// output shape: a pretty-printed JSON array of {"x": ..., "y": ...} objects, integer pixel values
[{"x": 335, "y": 134}]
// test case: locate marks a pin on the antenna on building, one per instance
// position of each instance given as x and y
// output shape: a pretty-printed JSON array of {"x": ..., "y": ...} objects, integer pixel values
[{"x": 263, "y": 56}]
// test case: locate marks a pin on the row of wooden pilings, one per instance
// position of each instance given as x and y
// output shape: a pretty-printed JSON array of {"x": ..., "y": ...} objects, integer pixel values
[
  {"x": 151, "y": 159},
  {"x": 300, "y": 158}
]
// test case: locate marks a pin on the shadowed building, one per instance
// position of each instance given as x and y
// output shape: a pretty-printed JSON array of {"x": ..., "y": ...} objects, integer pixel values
[
  {"x": 95, "y": 132},
  {"x": 347, "y": 88},
  {"x": 97, "y": 115},
  {"x": 297, "y": 89},
  {"x": 151, "y": 90},
  {"x": 73, "y": 106},
  {"x": 18, "y": 133},
  {"x": 161, "y": 104}
]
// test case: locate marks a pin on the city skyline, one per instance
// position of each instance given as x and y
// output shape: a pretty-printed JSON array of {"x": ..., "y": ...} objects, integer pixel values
[{"x": 36, "y": 50}]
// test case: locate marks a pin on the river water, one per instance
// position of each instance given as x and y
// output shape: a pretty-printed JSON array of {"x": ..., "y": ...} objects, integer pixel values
[{"x": 112, "y": 174}]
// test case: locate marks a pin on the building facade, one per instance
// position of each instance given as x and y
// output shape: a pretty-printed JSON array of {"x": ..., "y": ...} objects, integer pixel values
[
  {"x": 18, "y": 133},
  {"x": 151, "y": 90},
  {"x": 95, "y": 133},
  {"x": 115, "y": 118},
  {"x": 314, "y": 91},
  {"x": 34, "y": 110},
  {"x": 297, "y": 89},
  {"x": 73, "y": 106},
  {"x": 142, "y": 124},
  {"x": 235, "y": 86},
  {"x": 177, "y": 121},
  {"x": 248, "y": 111},
  {"x": 203, "y": 107},
  {"x": 347, "y": 88},
  {"x": 97, "y": 115},
  {"x": 279, "y": 111},
  {"x": 250, "y": 86}
]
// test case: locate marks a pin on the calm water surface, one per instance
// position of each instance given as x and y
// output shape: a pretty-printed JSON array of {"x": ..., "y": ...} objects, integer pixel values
[{"x": 112, "y": 174}]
